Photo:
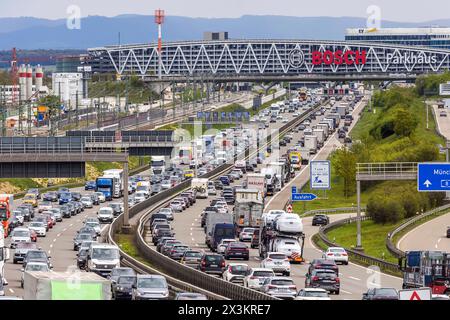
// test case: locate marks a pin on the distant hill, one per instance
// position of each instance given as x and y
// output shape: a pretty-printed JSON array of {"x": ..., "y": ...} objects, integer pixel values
[{"x": 34, "y": 33}]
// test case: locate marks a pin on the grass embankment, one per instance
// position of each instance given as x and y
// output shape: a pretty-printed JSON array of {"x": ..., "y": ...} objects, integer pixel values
[{"x": 126, "y": 243}]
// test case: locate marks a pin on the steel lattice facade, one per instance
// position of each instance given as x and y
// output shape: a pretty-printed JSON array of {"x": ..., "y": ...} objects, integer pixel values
[{"x": 277, "y": 58}]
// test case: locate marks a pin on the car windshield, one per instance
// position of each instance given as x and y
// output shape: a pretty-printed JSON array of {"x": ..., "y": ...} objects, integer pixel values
[
  {"x": 277, "y": 256},
  {"x": 336, "y": 250},
  {"x": 36, "y": 254},
  {"x": 192, "y": 254},
  {"x": 105, "y": 254},
  {"x": 92, "y": 224},
  {"x": 213, "y": 258},
  {"x": 325, "y": 273},
  {"x": 122, "y": 272},
  {"x": 20, "y": 233},
  {"x": 239, "y": 269},
  {"x": 86, "y": 199},
  {"x": 36, "y": 224},
  {"x": 151, "y": 283},
  {"x": 127, "y": 280},
  {"x": 263, "y": 274},
  {"x": 84, "y": 236},
  {"x": 104, "y": 211},
  {"x": 37, "y": 267},
  {"x": 316, "y": 294},
  {"x": 282, "y": 282},
  {"x": 386, "y": 292}
]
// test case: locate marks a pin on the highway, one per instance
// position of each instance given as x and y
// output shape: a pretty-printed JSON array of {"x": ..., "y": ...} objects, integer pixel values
[
  {"x": 354, "y": 279},
  {"x": 432, "y": 234}
]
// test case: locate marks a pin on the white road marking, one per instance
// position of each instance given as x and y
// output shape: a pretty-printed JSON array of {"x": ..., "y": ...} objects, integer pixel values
[
  {"x": 54, "y": 240},
  {"x": 51, "y": 246},
  {"x": 435, "y": 246},
  {"x": 49, "y": 251},
  {"x": 357, "y": 279},
  {"x": 439, "y": 240},
  {"x": 58, "y": 235},
  {"x": 65, "y": 229},
  {"x": 347, "y": 292},
  {"x": 190, "y": 233},
  {"x": 193, "y": 239},
  {"x": 192, "y": 224},
  {"x": 11, "y": 290},
  {"x": 70, "y": 225}
]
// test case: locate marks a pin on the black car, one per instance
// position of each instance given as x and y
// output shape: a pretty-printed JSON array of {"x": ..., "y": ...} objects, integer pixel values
[
  {"x": 320, "y": 220},
  {"x": 72, "y": 209},
  {"x": 51, "y": 196},
  {"x": 448, "y": 232},
  {"x": 324, "y": 279},
  {"x": 283, "y": 143},
  {"x": 323, "y": 264},
  {"x": 117, "y": 208},
  {"x": 90, "y": 185},
  {"x": 76, "y": 196},
  {"x": 160, "y": 233},
  {"x": 36, "y": 256},
  {"x": 26, "y": 213},
  {"x": 80, "y": 238},
  {"x": 342, "y": 135},
  {"x": 65, "y": 211},
  {"x": 82, "y": 259},
  {"x": 13, "y": 223},
  {"x": 380, "y": 294},
  {"x": 155, "y": 179},
  {"x": 229, "y": 197},
  {"x": 212, "y": 264},
  {"x": 30, "y": 208},
  {"x": 95, "y": 199},
  {"x": 123, "y": 288},
  {"x": 88, "y": 230}
]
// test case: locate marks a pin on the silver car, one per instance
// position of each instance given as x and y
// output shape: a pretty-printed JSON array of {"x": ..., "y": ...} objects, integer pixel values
[
  {"x": 87, "y": 202},
  {"x": 150, "y": 287}
]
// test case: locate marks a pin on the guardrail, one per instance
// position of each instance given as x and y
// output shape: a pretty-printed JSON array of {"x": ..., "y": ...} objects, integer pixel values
[
  {"x": 366, "y": 259},
  {"x": 173, "y": 269},
  {"x": 332, "y": 211},
  {"x": 392, "y": 247}
]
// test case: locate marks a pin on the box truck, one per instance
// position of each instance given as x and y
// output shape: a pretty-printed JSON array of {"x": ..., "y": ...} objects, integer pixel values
[
  {"x": 257, "y": 181},
  {"x": 320, "y": 136},
  {"x": 311, "y": 144},
  {"x": 201, "y": 187}
]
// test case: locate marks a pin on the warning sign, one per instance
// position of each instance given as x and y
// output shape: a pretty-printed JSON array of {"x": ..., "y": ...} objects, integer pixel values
[
  {"x": 289, "y": 208},
  {"x": 415, "y": 294}
]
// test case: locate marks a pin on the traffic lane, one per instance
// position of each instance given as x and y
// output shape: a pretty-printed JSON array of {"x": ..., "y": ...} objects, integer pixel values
[
  {"x": 429, "y": 236},
  {"x": 443, "y": 124}
]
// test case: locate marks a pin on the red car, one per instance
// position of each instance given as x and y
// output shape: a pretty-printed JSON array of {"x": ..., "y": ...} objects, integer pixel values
[{"x": 33, "y": 235}]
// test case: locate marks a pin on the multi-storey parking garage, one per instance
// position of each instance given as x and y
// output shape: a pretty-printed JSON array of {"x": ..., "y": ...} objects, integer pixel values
[{"x": 270, "y": 60}]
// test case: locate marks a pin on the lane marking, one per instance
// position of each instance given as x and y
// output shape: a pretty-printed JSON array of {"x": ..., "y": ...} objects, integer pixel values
[
  {"x": 439, "y": 240},
  {"x": 58, "y": 235},
  {"x": 190, "y": 233},
  {"x": 70, "y": 225},
  {"x": 346, "y": 292},
  {"x": 354, "y": 278},
  {"x": 435, "y": 246},
  {"x": 54, "y": 240},
  {"x": 11, "y": 290},
  {"x": 49, "y": 251},
  {"x": 65, "y": 229},
  {"x": 51, "y": 246}
]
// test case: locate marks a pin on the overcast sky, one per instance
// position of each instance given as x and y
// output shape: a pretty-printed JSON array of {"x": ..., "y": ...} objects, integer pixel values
[{"x": 394, "y": 10}]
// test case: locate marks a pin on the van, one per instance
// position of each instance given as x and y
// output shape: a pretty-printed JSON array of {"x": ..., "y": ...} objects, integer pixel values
[{"x": 221, "y": 231}]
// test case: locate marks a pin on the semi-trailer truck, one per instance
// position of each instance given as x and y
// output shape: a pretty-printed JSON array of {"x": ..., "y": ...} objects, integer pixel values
[
  {"x": 119, "y": 184},
  {"x": 106, "y": 185},
  {"x": 158, "y": 164}
]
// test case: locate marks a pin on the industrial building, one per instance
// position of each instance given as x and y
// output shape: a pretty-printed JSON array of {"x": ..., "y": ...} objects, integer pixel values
[
  {"x": 69, "y": 87},
  {"x": 432, "y": 37}
]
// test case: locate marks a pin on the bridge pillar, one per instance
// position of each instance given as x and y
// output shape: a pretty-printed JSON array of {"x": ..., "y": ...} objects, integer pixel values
[{"x": 126, "y": 227}]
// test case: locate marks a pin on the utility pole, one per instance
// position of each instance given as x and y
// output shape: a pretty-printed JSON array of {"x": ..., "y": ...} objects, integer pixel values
[{"x": 76, "y": 108}]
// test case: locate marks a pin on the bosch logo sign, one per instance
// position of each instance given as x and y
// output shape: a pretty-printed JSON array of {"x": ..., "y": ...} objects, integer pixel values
[
  {"x": 296, "y": 58},
  {"x": 339, "y": 57}
]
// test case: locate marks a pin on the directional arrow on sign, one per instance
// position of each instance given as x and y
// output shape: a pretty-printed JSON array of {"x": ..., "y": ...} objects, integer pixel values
[
  {"x": 427, "y": 183},
  {"x": 303, "y": 197}
]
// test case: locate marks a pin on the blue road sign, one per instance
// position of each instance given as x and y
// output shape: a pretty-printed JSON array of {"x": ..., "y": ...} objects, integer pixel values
[
  {"x": 294, "y": 190},
  {"x": 303, "y": 197},
  {"x": 433, "y": 176}
]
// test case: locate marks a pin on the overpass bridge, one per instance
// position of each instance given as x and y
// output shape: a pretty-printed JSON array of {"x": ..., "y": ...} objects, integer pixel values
[{"x": 270, "y": 60}]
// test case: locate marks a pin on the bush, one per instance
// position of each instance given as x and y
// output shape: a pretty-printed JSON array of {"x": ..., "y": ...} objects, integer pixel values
[{"x": 384, "y": 209}]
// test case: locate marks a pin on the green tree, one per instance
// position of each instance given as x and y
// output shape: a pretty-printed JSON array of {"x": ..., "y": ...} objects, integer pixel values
[
  {"x": 384, "y": 209},
  {"x": 344, "y": 162},
  {"x": 405, "y": 122},
  {"x": 53, "y": 104}
]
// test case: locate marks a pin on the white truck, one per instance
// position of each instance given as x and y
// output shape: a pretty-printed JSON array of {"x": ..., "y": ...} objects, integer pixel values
[
  {"x": 201, "y": 187},
  {"x": 75, "y": 285},
  {"x": 144, "y": 186},
  {"x": 342, "y": 109},
  {"x": 4, "y": 255},
  {"x": 247, "y": 212},
  {"x": 320, "y": 136},
  {"x": 102, "y": 258},
  {"x": 118, "y": 174},
  {"x": 311, "y": 144},
  {"x": 323, "y": 127},
  {"x": 257, "y": 181},
  {"x": 158, "y": 164},
  {"x": 269, "y": 175},
  {"x": 278, "y": 169}
]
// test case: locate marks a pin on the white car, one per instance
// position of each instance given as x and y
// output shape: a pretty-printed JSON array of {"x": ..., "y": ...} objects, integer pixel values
[
  {"x": 166, "y": 184},
  {"x": 290, "y": 247},
  {"x": 105, "y": 214},
  {"x": 176, "y": 206},
  {"x": 278, "y": 262},
  {"x": 221, "y": 209},
  {"x": 246, "y": 234},
  {"x": 285, "y": 120},
  {"x": 19, "y": 215},
  {"x": 270, "y": 216},
  {"x": 39, "y": 228},
  {"x": 312, "y": 294},
  {"x": 280, "y": 287},
  {"x": 87, "y": 202},
  {"x": 212, "y": 191},
  {"x": 20, "y": 235},
  {"x": 44, "y": 206},
  {"x": 235, "y": 272},
  {"x": 140, "y": 196},
  {"x": 57, "y": 214},
  {"x": 256, "y": 276},
  {"x": 288, "y": 223},
  {"x": 101, "y": 196},
  {"x": 168, "y": 212},
  {"x": 95, "y": 225},
  {"x": 223, "y": 244},
  {"x": 34, "y": 266},
  {"x": 337, "y": 254}
]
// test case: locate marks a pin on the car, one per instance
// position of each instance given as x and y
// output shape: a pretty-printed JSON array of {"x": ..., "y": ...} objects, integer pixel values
[
  {"x": 39, "y": 227},
  {"x": 80, "y": 237},
  {"x": 19, "y": 215},
  {"x": 101, "y": 197},
  {"x": 36, "y": 256},
  {"x": 166, "y": 184},
  {"x": 90, "y": 185},
  {"x": 320, "y": 220},
  {"x": 31, "y": 198},
  {"x": 123, "y": 288},
  {"x": 342, "y": 135},
  {"x": 140, "y": 196},
  {"x": 279, "y": 287},
  {"x": 36, "y": 192},
  {"x": 177, "y": 251},
  {"x": 150, "y": 287},
  {"x": 225, "y": 180},
  {"x": 323, "y": 278},
  {"x": 162, "y": 241},
  {"x": 57, "y": 214},
  {"x": 65, "y": 210},
  {"x": 155, "y": 189},
  {"x": 20, "y": 235},
  {"x": 33, "y": 266},
  {"x": 278, "y": 262},
  {"x": 323, "y": 264},
  {"x": 168, "y": 212},
  {"x": 212, "y": 191},
  {"x": 95, "y": 199},
  {"x": 255, "y": 239},
  {"x": 88, "y": 230},
  {"x": 176, "y": 205},
  {"x": 223, "y": 245},
  {"x": 212, "y": 264},
  {"x": 380, "y": 294},
  {"x": 440, "y": 297},
  {"x": 237, "y": 250},
  {"x": 443, "y": 114},
  {"x": 190, "y": 296},
  {"x": 312, "y": 294},
  {"x": 95, "y": 225},
  {"x": 118, "y": 272},
  {"x": 82, "y": 257},
  {"x": 65, "y": 197},
  {"x": 337, "y": 254},
  {"x": 246, "y": 234},
  {"x": 448, "y": 232},
  {"x": 165, "y": 249},
  {"x": 117, "y": 208},
  {"x": 288, "y": 223},
  {"x": 348, "y": 140},
  {"x": 191, "y": 258},
  {"x": 105, "y": 215},
  {"x": 28, "y": 210},
  {"x": 76, "y": 196},
  {"x": 51, "y": 196},
  {"x": 256, "y": 276},
  {"x": 235, "y": 272}
]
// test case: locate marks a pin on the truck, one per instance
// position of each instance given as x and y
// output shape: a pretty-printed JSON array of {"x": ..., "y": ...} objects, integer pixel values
[
  {"x": 201, "y": 187},
  {"x": 426, "y": 269},
  {"x": 4, "y": 256},
  {"x": 102, "y": 258},
  {"x": 336, "y": 117},
  {"x": 158, "y": 164},
  {"x": 296, "y": 159},
  {"x": 241, "y": 165},
  {"x": 248, "y": 210},
  {"x": 271, "y": 180},
  {"x": 107, "y": 186},
  {"x": 6, "y": 203},
  {"x": 279, "y": 172},
  {"x": 342, "y": 109},
  {"x": 75, "y": 285},
  {"x": 311, "y": 144},
  {"x": 213, "y": 219},
  {"x": 257, "y": 181},
  {"x": 119, "y": 183},
  {"x": 323, "y": 127},
  {"x": 320, "y": 136},
  {"x": 330, "y": 122},
  {"x": 144, "y": 186}
]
